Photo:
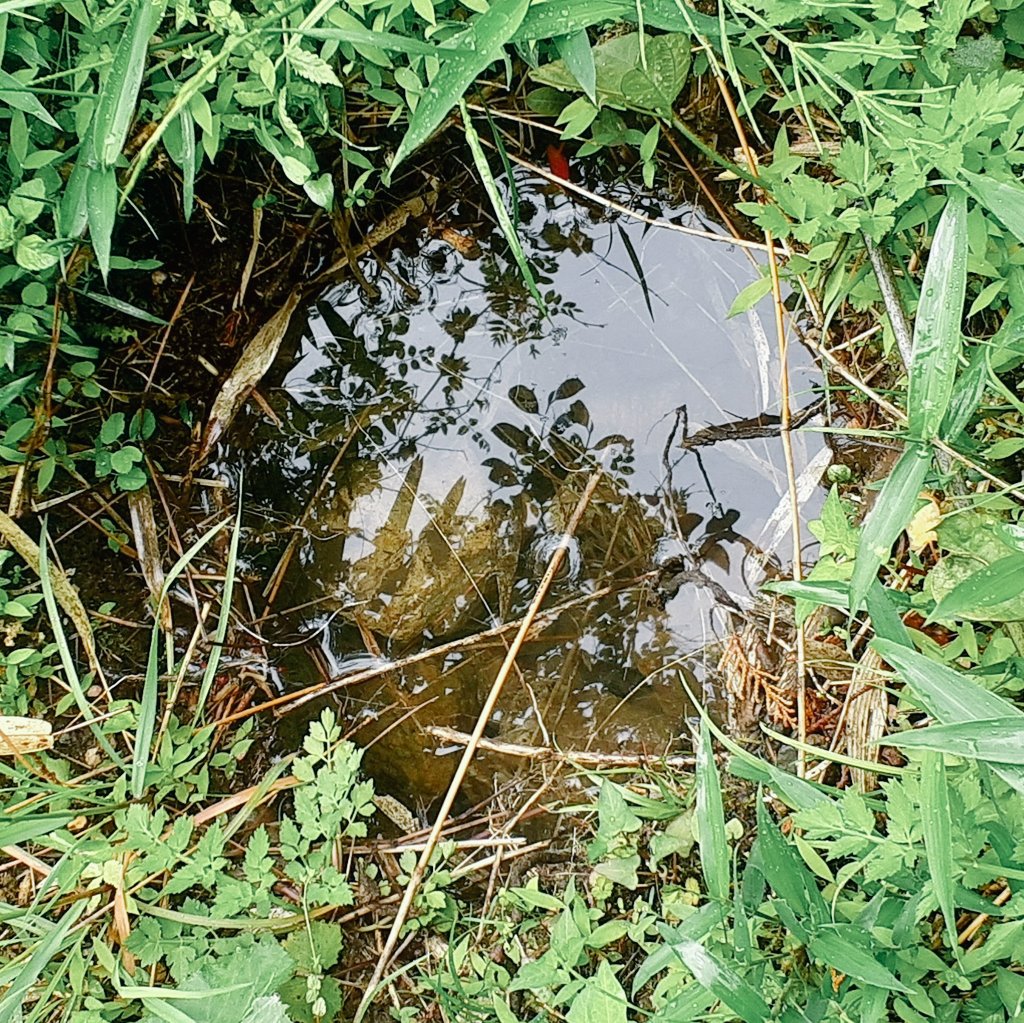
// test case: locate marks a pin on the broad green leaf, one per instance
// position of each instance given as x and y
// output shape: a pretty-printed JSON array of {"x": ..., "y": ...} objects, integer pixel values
[
  {"x": 988, "y": 586},
  {"x": 750, "y": 296},
  {"x": 33, "y": 252},
  {"x": 785, "y": 872},
  {"x": 120, "y": 91},
  {"x": 937, "y": 339},
  {"x": 491, "y": 188},
  {"x": 101, "y": 203},
  {"x": 622, "y": 79},
  {"x": 999, "y": 740},
  {"x": 834, "y": 945},
  {"x": 710, "y": 820},
  {"x": 951, "y": 697},
  {"x": 1004, "y": 200},
  {"x": 575, "y": 50},
  {"x": 18, "y": 94},
  {"x": 893, "y": 510},
  {"x": 936, "y": 822},
  {"x": 723, "y": 982},
  {"x": 485, "y": 38},
  {"x": 602, "y": 999},
  {"x": 693, "y": 928}
]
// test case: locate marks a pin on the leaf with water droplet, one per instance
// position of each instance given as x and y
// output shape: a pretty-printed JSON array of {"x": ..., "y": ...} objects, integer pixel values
[
  {"x": 485, "y": 36},
  {"x": 937, "y": 338}
]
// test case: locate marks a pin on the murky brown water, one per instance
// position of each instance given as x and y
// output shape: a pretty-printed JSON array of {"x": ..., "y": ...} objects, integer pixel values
[{"x": 450, "y": 435}]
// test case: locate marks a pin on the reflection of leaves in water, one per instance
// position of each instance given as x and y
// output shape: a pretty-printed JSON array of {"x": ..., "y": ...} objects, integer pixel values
[
  {"x": 566, "y": 389},
  {"x": 524, "y": 399}
]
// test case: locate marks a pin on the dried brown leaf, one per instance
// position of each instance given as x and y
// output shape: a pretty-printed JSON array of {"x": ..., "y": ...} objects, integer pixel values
[
  {"x": 257, "y": 358},
  {"x": 147, "y": 543}
]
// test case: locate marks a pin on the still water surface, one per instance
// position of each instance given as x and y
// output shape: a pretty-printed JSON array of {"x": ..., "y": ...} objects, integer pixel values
[{"x": 450, "y": 428}]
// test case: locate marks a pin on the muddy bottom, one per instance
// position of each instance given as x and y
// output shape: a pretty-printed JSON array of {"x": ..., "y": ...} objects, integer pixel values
[{"x": 435, "y": 437}]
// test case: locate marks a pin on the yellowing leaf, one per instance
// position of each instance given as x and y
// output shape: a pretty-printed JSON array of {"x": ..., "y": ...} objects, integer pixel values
[{"x": 921, "y": 529}]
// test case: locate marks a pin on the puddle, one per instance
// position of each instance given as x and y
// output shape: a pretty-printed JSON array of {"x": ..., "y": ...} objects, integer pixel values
[{"x": 450, "y": 435}]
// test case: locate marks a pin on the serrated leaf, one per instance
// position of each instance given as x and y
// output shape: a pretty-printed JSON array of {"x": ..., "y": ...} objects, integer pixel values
[{"x": 312, "y": 67}]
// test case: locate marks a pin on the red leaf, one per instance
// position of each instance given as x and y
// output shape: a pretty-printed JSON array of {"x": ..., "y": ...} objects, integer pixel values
[{"x": 558, "y": 162}]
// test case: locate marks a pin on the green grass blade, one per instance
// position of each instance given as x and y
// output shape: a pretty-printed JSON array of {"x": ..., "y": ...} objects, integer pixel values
[
  {"x": 504, "y": 220},
  {"x": 988, "y": 586},
  {"x": 224, "y": 618},
  {"x": 551, "y": 18},
  {"x": 575, "y": 50},
  {"x": 70, "y": 671},
  {"x": 147, "y": 715},
  {"x": 998, "y": 740},
  {"x": 10, "y": 1005},
  {"x": 120, "y": 91},
  {"x": 937, "y": 339},
  {"x": 723, "y": 982},
  {"x": 150, "y": 688},
  {"x": 357, "y": 35},
  {"x": 485, "y": 38},
  {"x": 101, "y": 208},
  {"x": 936, "y": 817},
  {"x": 890, "y": 515},
  {"x": 830, "y": 944},
  {"x": 710, "y": 818},
  {"x": 951, "y": 697}
]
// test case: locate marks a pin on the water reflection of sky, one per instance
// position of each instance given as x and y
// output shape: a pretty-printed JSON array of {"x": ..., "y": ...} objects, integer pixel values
[
  {"x": 639, "y": 356},
  {"x": 640, "y": 349}
]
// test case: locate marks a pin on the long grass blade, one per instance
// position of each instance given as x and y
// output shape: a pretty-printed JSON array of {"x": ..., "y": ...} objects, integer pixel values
[
  {"x": 988, "y": 586},
  {"x": 504, "y": 220},
  {"x": 1000, "y": 740},
  {"x": 120, "y": 91},
  {"x": 937, "y": 338},
  {"x": 1004, "y": 200},
  {"x": 936, "y": 814},
  {"x": 224, "y": 618},
  {"x": 893, "y": 510},
  {"x": 710, "y": 817},
  {"x": 70, "y": 671},
  {"x": 10, "y": 1005},
  {"x": 951, "y": 697},
  {"x": 150, "y": 688}
]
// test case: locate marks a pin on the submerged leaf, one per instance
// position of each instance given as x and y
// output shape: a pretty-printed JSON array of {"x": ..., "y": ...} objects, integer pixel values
[{"x": 257, "y": 358}]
